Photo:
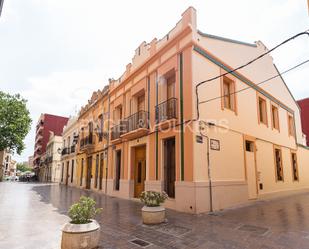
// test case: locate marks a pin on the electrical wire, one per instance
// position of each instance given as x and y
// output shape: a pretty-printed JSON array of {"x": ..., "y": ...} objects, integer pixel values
[
  {"x": 242, "y": 66},
  {"x": 262, "y": 82}
]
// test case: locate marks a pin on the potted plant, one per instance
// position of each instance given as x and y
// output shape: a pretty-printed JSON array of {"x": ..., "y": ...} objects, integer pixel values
[
  {"x": 83, "y": 231},
  {"x": 153, "y": 212}
]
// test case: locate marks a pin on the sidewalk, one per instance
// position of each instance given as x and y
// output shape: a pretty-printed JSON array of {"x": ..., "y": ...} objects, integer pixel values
[{"x": 35, "y": 221}]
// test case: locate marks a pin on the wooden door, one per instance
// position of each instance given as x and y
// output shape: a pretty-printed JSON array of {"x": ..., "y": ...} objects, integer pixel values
[
  {"x": 251, "y": 168},
  {"x": 169, "y": 167},
  {"x": 139, "y": 170},
  {"x": 81, "y": 173},
  {"x": 67, "y": 173},
  {"x": 89, "y": 169},
  {"x": 118, "y": 169},
  {"x": 101, "y": 171}
]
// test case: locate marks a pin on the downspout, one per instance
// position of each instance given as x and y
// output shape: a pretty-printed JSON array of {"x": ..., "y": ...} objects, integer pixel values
[
  {"x": 107, "y": 156},
  {"x": 208, "y": 169}
]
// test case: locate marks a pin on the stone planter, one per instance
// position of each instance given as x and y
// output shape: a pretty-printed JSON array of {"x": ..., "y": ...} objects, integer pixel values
[
  {"x": 80, "y": 236},
  {"x": 153, "y": 215}
]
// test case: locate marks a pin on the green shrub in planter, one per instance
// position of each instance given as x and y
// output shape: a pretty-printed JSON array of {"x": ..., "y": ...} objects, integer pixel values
[
  {"x": 83, "y": 211},
  {"x": 153, "y": 198}
]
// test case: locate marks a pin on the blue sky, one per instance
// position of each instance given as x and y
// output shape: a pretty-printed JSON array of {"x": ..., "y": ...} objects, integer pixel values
[{"x": 57, "y": 52}]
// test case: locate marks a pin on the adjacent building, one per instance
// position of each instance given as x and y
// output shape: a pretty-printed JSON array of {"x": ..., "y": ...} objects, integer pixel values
[
  {"x": 208, "y": 146},
  {"x": 30, "y": 162},
  {"x": 47, "y": 123},
  {"x": 7, "y": 164},
  {"x": 304, "y": 113},
  {"x": 50, "y": 168},
  {"x": 69, "y": 151},
  {"x": 1, "y": 5}
]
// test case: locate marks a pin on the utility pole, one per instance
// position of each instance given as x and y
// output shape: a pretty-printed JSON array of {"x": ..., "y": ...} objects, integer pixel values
[{"x": 201, "y": 129}]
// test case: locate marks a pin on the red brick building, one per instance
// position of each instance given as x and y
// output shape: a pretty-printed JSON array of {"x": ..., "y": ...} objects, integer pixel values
[
  {"x": 47, "y": 123},
  {"x": 304, "y": 106}
]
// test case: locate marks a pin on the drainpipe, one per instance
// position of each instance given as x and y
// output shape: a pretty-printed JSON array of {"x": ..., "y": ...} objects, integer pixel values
[
  {"x": 106, "y": 173},
  {"x": 208, "y": 166}
]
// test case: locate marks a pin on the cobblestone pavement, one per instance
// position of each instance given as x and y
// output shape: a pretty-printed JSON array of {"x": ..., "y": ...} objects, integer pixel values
[{"x": 32, "y": 215}]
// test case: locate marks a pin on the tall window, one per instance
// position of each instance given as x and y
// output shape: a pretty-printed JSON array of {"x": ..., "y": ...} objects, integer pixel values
[
  {"x": 171, "y": 86},
  {"x": 291, "y": 125},
  {"x": 278, "y": 162},
  {"x": 100, "y": 127},
  {"x": 228, "y": 94},
  {"x": 294, "y": 167},
  {"x": 275, "y": 117},
  {"x": 141, "y": 103},
  {"x": 262, "y": 110}
]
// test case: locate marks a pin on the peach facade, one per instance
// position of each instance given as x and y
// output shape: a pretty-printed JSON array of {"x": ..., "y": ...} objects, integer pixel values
[{"x": 247, "y": 136}]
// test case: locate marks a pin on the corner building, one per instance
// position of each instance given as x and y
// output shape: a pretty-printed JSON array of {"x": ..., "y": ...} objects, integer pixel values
[{"x": 158, "y": 142}]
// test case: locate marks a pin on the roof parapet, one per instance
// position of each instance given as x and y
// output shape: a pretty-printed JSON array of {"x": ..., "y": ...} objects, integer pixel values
[{"x": 146, "y": 50}]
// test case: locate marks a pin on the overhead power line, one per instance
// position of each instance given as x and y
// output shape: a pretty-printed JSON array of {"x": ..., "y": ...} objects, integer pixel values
[
  {"x": 262, "y": 82},
  {"x": 242, "y": 66}
]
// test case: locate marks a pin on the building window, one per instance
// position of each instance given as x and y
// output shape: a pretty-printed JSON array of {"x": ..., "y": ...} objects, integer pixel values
[
  {"x": 291, "y": 125},
  {"x": 262, "y": 111},
  {"x": 249, "y": 146},
  {"x": 294, "y": 167},
  {"x": 228, "y": 94},
  {"x": 275, "y": 117},
  {"x": 100, "y": 127},
  {"x": 278, "y": 164}
]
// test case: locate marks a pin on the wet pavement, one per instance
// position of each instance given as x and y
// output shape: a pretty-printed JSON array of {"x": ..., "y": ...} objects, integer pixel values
[{"x": 32, "y": 215}]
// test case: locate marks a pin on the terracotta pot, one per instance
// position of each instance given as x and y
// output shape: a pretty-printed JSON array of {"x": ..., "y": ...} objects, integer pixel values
[
  {"x": 153, "y": 215},
  {"x": 80, "y": 236}
]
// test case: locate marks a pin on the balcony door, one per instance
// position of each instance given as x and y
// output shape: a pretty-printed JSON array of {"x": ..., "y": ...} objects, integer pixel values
[
  {"x": 170, "y": 87},
  {"x": 169, "y": 167},
  {"x": 141, "y": 103},
  {"x": 90, "y": 129},
  {"x": 139, "y": 170}
]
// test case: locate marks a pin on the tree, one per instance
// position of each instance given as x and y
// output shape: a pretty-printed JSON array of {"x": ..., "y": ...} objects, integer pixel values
[
  {"x": 23, "y": 167},
  {"x": 15, "y": 122}
]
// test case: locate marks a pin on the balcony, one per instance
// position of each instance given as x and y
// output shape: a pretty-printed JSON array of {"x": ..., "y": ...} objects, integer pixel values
[
  {"x": 136, "y": 125},
  {"x": 117, "y": 131},
  {"x": 49, "y": 159},
  {"x": 65, "y": 151},
  {"x": 166, "y": 112},
  {"x": 87, "y": 143}
]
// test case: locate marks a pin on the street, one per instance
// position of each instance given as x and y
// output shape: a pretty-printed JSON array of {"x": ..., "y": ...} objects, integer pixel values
[{"x": 32, "y": 216}]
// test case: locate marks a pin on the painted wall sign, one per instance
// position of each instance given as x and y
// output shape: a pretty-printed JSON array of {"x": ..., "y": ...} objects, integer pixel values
[
  {"x": 199, "y": 139},
  {"x": 214, "y": 144}
]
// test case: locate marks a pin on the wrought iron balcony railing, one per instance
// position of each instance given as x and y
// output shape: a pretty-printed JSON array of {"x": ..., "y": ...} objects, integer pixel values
[
  {"x": 118, "y": 130},
  {"x": 86, "y": 141},
  {"x": 136, "y": 121},
  {"x": 166, "y": 110},
  {"x": 65, "y": 151}
]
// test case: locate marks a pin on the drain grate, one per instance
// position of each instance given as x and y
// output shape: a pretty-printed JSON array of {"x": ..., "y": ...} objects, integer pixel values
[
  {"x": 173, "y": 230},
  {"x": 254, "y": 229},
  {"x": 140, "y": 242}
]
